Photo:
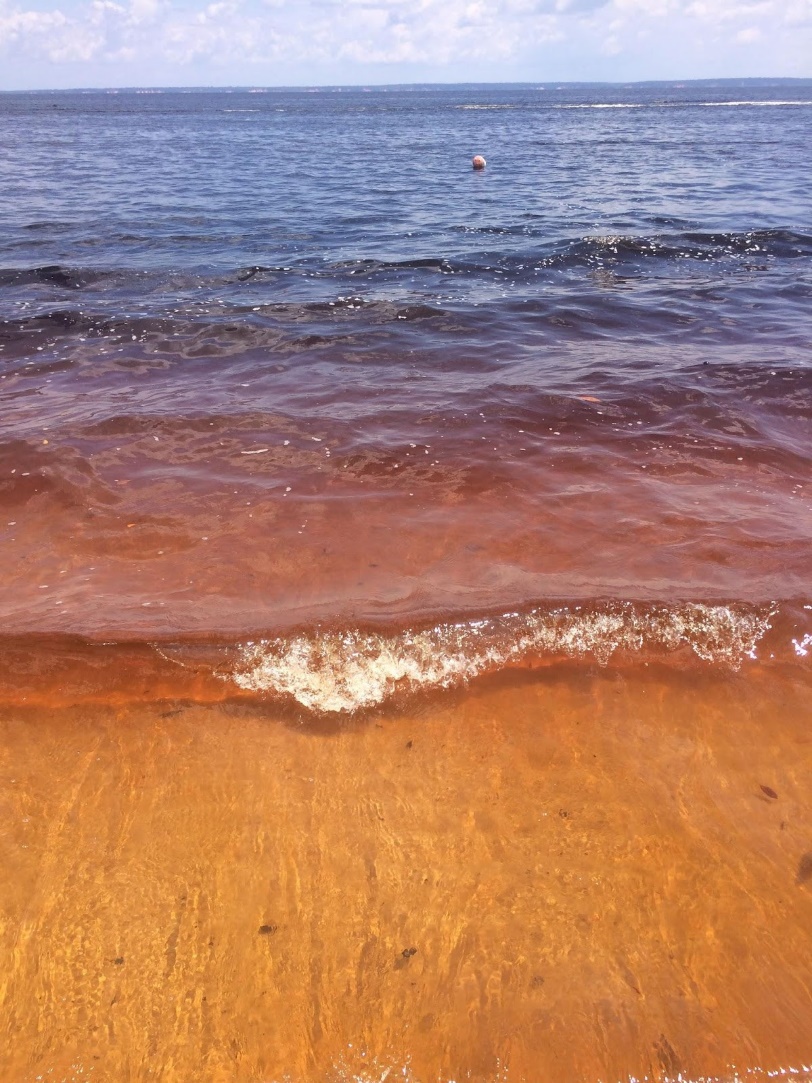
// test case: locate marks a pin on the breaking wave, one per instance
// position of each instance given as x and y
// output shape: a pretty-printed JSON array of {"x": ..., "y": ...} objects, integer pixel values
[
  {"x": 678, "y": 104},
  {"x": 350, "y": 670}
]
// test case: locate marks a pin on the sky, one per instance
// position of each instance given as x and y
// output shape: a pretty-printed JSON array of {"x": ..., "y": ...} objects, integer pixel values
[{"x": 120, "y": 43}]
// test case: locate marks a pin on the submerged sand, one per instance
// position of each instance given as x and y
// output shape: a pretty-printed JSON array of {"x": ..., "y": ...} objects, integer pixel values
[{"x": 582, "y": 875}]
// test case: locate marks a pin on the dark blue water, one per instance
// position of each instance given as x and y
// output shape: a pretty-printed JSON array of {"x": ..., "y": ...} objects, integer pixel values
[
  {"x": 276, "y": 358},
  {"x": 235, "y": 197}
]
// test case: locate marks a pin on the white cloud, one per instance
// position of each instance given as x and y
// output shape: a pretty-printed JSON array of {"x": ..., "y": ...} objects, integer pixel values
[
  {"x": 799, "y": 13},
  {"x": 51, "y": 34},
  {"x": 728, "y": 11},
  {"x": 748, "y": 35},
  {"x": 365, "y": 35},
  {"x": 437, "y": 31},
  {"x": 144, "y": 11}
]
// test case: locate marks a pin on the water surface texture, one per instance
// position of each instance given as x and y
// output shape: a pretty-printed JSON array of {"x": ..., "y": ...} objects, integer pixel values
[
  {"x": 272, "y": 358},
  {"x": 319, "y": 448}
]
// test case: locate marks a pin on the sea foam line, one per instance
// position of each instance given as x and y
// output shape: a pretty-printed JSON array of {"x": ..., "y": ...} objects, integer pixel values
[
  {"x": 677, "y": 105},
  {"x": 349, "y": 670}
]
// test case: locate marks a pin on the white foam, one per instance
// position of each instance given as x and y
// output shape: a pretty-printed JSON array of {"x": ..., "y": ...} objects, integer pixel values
[
  {"x": 387, "y": 1071},
  {"x": 727, "y": 105},
  {"x": 676, "y": 105},
  {"x": 345, "y": 671},
  {"x": 607, "y": 105}
]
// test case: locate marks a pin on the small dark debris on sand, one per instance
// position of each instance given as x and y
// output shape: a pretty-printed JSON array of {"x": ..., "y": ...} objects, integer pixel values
[
  {"x": 402, "y": 960},
  {"x": 804, "y": 873}
]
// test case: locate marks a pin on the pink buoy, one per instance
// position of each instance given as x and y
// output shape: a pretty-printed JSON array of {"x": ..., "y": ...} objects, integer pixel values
[{"x": 478, "y": 162}]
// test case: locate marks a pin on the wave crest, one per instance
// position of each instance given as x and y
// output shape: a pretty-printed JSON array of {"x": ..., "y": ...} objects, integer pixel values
[{"x": 351, "y": 670}]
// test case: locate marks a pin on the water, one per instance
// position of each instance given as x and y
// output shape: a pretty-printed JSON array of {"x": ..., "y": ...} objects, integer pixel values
[{"x": 306, "y": 420}]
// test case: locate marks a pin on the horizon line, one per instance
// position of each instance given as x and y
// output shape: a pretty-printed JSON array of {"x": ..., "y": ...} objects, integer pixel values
[{"x": 553, "y": 83}]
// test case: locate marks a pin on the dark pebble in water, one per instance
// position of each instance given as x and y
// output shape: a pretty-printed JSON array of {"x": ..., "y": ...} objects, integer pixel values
[
  {"x": 119, "y": 960},
  {"x": 267, "y": 930},
  {"x": 407, "y": 953},
  {"x": 804, "y": 869},
  {"x": 770, "y": 792}
]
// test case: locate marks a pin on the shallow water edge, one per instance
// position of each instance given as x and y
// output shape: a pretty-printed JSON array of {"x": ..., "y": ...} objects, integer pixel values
[{"x": 567, "y": 876}]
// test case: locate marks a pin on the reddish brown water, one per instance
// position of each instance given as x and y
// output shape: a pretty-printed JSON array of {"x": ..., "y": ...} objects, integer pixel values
[
  {"x": 251, "y": 522},
  {"x": 405, "y": 613}
]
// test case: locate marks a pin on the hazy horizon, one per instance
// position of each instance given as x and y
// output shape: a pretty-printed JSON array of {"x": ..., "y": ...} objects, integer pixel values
[
  {"x": 114, "y": 44},
  {"x": 543, "y": 84}
]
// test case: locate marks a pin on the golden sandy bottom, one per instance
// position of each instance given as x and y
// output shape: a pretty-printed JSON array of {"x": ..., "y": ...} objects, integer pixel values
[{"x": 579, "y": 877}]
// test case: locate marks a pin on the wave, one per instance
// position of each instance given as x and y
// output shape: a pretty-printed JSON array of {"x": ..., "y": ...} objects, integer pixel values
[
  {"x": 605, "y": 105},
  {"x": 578, "y": 252},
  {"x": 748, "y": 104},
  {"x": 345, "y": 670},
  {"x": 690, "y": 245},
  {"x": 675, "y": 105},
  {"x": 348, "y": 670},
  {"x": 382, "y": 1069},
  {"x": 66, "y": 278},
  {"x": 181, "y": 291}
]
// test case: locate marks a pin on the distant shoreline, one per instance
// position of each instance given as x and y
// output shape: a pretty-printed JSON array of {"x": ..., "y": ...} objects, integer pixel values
[{"x": 418, "y": 87}]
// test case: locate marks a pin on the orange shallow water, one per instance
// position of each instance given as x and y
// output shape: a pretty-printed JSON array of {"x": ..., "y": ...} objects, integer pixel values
[{"x": 581, "y": 874}]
